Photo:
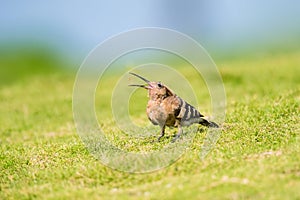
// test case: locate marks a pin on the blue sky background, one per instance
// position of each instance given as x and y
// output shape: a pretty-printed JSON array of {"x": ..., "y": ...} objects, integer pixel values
[{"x": 75, "y": 27}]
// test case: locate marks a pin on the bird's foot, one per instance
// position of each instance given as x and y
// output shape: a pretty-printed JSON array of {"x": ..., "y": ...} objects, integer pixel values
[
  {"x": 176, "y": 137},
  {"x": 158, "y": 139},
  {"x": 200, "y": 130}
]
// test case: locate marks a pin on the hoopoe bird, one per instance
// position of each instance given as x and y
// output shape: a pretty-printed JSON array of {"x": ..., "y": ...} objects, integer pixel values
[{"x": 165, "y": 108}]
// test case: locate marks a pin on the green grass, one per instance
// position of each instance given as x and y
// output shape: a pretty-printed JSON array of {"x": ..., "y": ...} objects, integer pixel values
[{"x": 256, "y": 157}]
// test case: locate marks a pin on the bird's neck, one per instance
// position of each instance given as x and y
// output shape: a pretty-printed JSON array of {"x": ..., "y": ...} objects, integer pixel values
[{"x": 158, "y": 98}]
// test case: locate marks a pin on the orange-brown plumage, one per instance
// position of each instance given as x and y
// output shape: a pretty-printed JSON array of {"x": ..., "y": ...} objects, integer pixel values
[{"x": 165, "y": 108}]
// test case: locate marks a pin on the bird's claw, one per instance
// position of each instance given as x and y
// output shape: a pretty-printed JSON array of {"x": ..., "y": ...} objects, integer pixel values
[{"x": 175, "y": 138}]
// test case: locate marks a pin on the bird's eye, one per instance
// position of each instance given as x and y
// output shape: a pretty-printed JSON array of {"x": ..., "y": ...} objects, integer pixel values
[{"x": 159, "y": 84}]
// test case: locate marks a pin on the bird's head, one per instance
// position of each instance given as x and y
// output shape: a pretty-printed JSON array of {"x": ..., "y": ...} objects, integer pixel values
[{"x": 156, "y": 90}]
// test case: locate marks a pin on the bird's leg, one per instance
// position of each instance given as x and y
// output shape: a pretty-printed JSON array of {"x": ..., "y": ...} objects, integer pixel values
[
  {"x": 162, "y": 132},
  {"x": 199, "y": 129},
  {"x": 178, "y": 134}
]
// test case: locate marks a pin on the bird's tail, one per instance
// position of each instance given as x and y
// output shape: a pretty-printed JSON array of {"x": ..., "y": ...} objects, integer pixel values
[{"x": 208, "y": 124}]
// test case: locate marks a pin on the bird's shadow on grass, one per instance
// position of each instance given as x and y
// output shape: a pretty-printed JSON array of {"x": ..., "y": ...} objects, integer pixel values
[{"x": 170, "y": 137}]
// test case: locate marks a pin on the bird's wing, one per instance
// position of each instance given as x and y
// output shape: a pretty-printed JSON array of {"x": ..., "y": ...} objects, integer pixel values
[{"x": 187, "y": 111}]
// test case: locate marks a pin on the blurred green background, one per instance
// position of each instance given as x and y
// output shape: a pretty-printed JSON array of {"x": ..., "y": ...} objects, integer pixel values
[{"x": 37, "y": 37}]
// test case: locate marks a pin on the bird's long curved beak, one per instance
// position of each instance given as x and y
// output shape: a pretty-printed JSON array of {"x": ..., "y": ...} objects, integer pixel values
[
  {"x": 140, "y": 77},
  {"x": 147, "y": 86}
]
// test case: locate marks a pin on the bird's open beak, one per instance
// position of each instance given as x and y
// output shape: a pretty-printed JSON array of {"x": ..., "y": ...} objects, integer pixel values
[
  {"x": 146, "y": 86},
  {"x": 143, "y": 86}
]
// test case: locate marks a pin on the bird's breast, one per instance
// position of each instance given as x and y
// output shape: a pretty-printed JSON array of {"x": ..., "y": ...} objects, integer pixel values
[
  {"x": 159, "y": 114},
  {"x": 155, "y": 113}
]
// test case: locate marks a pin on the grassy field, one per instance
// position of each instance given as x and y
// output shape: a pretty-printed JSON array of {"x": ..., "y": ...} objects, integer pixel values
[{"x": 256, "y": 157}]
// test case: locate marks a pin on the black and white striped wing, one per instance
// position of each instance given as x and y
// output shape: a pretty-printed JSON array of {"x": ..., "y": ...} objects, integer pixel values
[{"x": 188, "y": 114}]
